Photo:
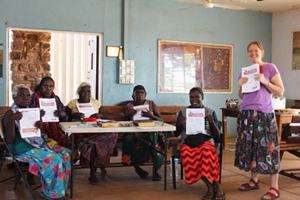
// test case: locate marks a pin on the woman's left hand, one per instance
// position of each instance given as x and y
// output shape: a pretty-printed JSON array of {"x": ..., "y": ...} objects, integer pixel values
[
  {"x": 147, "y": 114},
  {"x": 209, "y": 118},
  {"x": 97, "y": 115},
  {"x": 261, "y": 78},
  {"x": 38, "y": 124},
  {"x": 59, "y": 113}
]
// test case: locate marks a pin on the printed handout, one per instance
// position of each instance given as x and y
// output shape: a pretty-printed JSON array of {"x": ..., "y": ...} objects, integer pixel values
[
  {"x": 29, "y": 118},
  {"x": 86, "y": 108},
  {"x": 252, "y": 85},
  {"x": 195, "y": 122},
  {"x": 139, "y": 109},
  {"x": 49, "y": 106}
]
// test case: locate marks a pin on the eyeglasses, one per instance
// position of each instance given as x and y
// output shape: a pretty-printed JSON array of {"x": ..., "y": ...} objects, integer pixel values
[{"x": 253, "y": 51}]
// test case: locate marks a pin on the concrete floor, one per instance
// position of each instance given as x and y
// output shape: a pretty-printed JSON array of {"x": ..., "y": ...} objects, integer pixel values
[{"x": 124, "y": 183}]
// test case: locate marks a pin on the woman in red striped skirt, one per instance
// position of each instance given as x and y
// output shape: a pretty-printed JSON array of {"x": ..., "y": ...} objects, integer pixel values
[{"x": 197, "y": 152}]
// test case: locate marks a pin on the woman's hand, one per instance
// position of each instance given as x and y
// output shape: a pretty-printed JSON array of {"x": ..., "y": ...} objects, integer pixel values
[
  {"x": 42, "y": 113},
  {"x": 131, "y": 112},
  {"x": 79, "y": 115},
  {"x": 242, "y": 81},
  {"x": 261, "y": 78},
  {"x": 147, "y": 114},
  {"x": 209, "y": 118},
  {"x": 97, "y": 115},
  {"x": 182, "y": 119},
  {"x": 38, "y": 124},
  {"x": 59, "y": 113},
  {"x": 17, "y": 116}
]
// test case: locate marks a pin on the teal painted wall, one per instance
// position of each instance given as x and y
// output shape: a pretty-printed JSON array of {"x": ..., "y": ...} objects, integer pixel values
[{"x": 148, "y": 22}]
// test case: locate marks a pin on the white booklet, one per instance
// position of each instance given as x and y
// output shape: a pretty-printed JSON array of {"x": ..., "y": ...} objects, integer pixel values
[
  {"x": 86, "y": 108},
  {"x": 252, "y": 85},
  {"x": 139, "y": 109},
  {"x": 49, "y": 106},
  {"x": 195, "y": 122},
  {"x": 29, "y": 118}
]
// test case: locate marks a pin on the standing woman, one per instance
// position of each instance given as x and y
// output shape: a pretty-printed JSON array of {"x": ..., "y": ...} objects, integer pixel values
[
  {"x": 45, "y": 90},
  {"x": 135, "y": 152},
  {"x": 98, "y": 150},
  {"x": 257, "y": 145}
]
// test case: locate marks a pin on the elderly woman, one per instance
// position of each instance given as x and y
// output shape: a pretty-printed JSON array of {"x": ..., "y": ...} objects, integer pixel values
[
  {"x": 135, "y": 152},
  {"x": 99, "y": 149},
  {"x": 51, "y": 164},
  {"x": 46, "y": 90}
]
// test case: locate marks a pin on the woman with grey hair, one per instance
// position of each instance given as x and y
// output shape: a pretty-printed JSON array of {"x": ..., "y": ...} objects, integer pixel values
[{"x": 98, "y": 150}]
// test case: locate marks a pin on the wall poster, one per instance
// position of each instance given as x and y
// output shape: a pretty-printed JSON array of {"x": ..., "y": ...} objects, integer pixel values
[
  {"x": 296, "y": 50},
  {"x": 183, "y": 65}
]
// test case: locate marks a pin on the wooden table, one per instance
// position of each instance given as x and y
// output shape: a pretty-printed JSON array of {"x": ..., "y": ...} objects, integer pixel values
[
  {"x": 71, "y": 127},
  {"x": 281, "y": 118}
]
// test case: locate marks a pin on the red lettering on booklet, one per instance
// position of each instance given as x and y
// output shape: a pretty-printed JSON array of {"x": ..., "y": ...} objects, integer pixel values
[
  {"x": 191, "y": 114},
  {"x": 85, "y": 106},
  {"x": 250, "y": 71},
  {"x": 47, "y": 104}
]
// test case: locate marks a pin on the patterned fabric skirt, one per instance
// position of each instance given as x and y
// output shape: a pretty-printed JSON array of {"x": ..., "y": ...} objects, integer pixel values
[
  {"x": 104, "y": 143},
  {"x": 55, "y": 176},
  {"x": 135, "y": 155},
  {"x": 257, "y": 146},
  {"x": 200, "y": 161}
]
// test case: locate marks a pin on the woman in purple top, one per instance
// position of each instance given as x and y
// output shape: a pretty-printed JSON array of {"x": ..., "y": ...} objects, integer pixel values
[{"x": 257, "y": 145}]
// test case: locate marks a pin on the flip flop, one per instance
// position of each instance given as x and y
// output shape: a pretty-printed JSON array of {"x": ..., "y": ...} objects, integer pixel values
[
  {"x": 247, "y": 186},
  {"x": 208, "y": 197},
  {"x": 143, "y": 174},
  {"x": 221, "y": 197}
]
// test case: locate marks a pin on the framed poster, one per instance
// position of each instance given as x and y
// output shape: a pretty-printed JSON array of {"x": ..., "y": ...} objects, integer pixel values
[
  {"x": 183, "y": 65},
  {"x": 296, "y": 50}
]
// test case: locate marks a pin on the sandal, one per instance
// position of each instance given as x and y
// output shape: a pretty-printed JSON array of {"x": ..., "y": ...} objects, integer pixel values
[
  {"x": 157, "y": 176},
  {"x": 221, "y": 197},
  {"x": 143, "y": 174},
  {"x": 247, "y": 186},
  {"x": 93, "y": 181},
  {"x": 208, "y": 197},
  {"x": 271, "y": 195}
]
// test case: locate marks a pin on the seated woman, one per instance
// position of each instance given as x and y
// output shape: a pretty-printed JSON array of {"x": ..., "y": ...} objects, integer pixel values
[
  {"x": 51, "y": 164},
  {"x": 136, "y": 153},
  {"x": 45, "y": 90},
  {"x": 204, "y": 156},
  {"x": 98, "y": 150}
]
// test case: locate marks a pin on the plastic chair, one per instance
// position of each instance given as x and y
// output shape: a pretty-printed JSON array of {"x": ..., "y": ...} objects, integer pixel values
[{"x": 8, "y": 156}]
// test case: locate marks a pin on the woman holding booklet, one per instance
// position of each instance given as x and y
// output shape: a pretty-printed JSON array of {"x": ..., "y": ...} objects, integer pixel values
[
  {"x": 45, "y": 92},
  {"x": 96, "y": 151},
  {"x": 257, "y": 145},
  {"x": 197, "y": 151},
  {"x": 52, "y": 164},
  {"x": 135, "y": 152}
]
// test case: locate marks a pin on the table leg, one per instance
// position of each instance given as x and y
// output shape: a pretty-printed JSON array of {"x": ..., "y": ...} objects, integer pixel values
[
  {"x": 165, "y": 175},
  {"x": 224, "y": 120},
  {"x": 154, "y": 156},
  {"x": 72, "y": 165}
]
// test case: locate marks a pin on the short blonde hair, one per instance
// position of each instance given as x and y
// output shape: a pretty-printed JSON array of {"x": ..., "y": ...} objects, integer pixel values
[
  {"x": 18, "y": 87},
  {"x": 83, "y": 84}
]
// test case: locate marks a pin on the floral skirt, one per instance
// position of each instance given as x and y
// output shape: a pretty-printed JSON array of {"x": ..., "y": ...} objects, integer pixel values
[
  {"x": 105, "y": 144},
  {"x": 55, "y": 176},
  {"x": 257, "y": 145}
]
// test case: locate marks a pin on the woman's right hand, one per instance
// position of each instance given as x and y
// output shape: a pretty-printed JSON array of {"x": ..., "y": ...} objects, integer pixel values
[
  {"x": 182, "y": 119},
  {"x": 242, "y": 81},
  {"x": 79, "y": 115},
  {"x": 17, "y": 116},
  {"x": 132, "y": 112}
]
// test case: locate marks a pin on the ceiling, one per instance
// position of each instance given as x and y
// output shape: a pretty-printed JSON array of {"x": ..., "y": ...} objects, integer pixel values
[{"x": 272, "y": 6}]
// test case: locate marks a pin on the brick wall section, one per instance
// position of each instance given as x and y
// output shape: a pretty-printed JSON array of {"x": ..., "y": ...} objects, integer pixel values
[{"x": 30, "y": 57}]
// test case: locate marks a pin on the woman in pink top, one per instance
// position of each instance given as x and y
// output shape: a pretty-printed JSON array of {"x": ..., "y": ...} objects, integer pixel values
[{"x": 257, "y": 146}]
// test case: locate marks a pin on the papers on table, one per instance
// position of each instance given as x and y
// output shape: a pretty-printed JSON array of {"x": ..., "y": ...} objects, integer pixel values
[
  {"x": 86, "y": 108},
  {"x": 252, "y": 85},
  {"x": 49, "y": 106},
  {"x": 29, "y": 118},
  {"x": 195, "y": 122},
  {"x": 139, "y": 109}
]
